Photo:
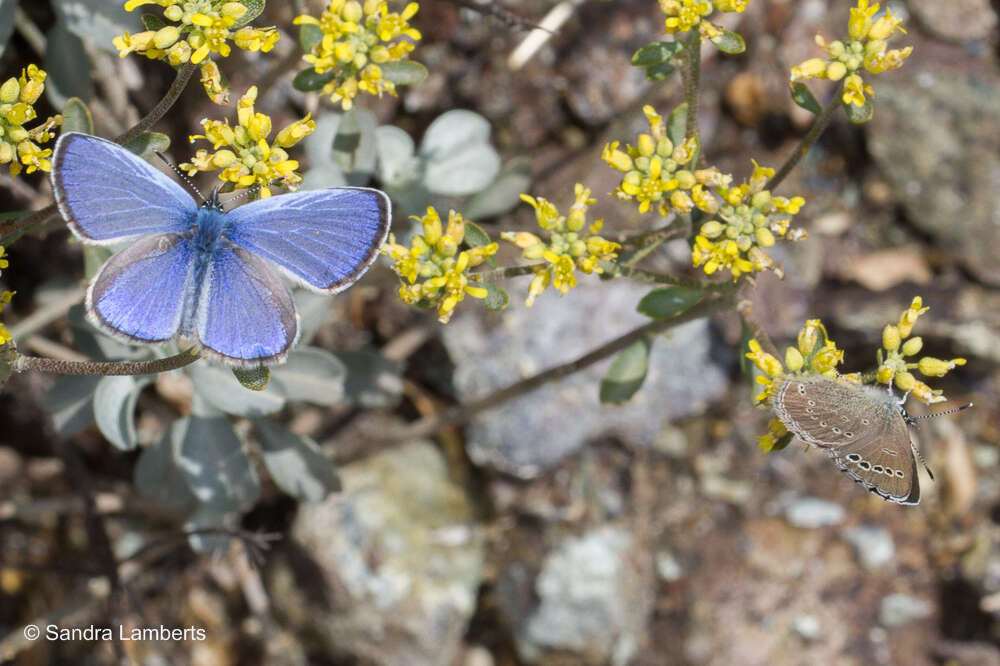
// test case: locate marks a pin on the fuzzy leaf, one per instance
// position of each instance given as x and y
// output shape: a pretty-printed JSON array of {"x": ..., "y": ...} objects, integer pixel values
[
  {"x": 148, "y": 144},
  {"x": 309, "y": 80},
  {"x": 496, "y": 298},
  {"x": 254, "y": 9},
  {"x": 152, "y": 22},
  {"x": 460, "y": 161},
  {"x": 504, "y": 193},
  {"x": 395, "y": 156},
  {"x": 372, "y": 380},
  {"x": 404, "y": 72},
  {"x": 310, "y": 35},
  {"x": 626, "y": 374},
  {"x": 312, "y": 375},
  {"x": 97, "y": 21},
  {"x": 157, "y": 475},
  {"x": 859, "y": 114},
  {"x": 68, "y": 67},
  {"x": 7, "y": 8},
  {"x": 114, "y": 409},
  {"x": 354, "y": 146},
  {"x": 221, "y": 390},
  {"x": 660, "y": 72},
  {"x": 296, "y": 463},
  {"x": 213, "y": 463},
  {"x": 70, "y": 403},
  {"x": 730, "y": 42},
  {"x": 677, "y": 124},
  {"x": 668, "y": 302},
  {"x": 76, "y": 117},
  {"x": 656, "y": 53},
  {"x": 802, "y": 96},
  {"x": 208, "y": 516}
]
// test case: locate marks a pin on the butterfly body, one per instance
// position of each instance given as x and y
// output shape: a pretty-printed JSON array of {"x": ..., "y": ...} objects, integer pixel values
[
  {"x": 199, "y": 273},
  {"x": 862, "y": 427}
]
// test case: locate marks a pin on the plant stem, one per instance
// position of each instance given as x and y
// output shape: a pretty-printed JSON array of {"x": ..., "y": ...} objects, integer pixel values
[
  {"x": 819, "y": 124},
  {"x": 744, "y": 306},
  {"x": 462, "y": 413},
  {"x": 692, "y": 81},
  {"x": 506, "y": 272},
  {"x": 161, "y": 108},
  {"x": 642, "y": 275},
  {"x": 63, "y": 367}
]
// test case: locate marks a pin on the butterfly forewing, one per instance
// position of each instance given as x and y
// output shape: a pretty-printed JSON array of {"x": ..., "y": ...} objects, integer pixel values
[{"x": 862, "y": 429}]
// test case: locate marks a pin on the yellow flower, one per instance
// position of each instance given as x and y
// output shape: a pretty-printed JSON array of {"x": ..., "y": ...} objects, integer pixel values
[
  {"x": 434, "y": 271},
  {"x": 357, "y": 38},
  {"x": 5, "y": 297},
  {"x": 570, "y": 245},
  {"x": 684, "y": 15},
  {"x": 198, "y": 30},
  {"x": 19, "y": 146},
  {"x": 248, "y": 159},
  {"x": 3, "y": 264}
]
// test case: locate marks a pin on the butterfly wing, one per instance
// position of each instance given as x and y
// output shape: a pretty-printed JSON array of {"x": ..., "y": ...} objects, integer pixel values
[
  {"x": 107, "y": 194},
  {"x": 245, "y": 314},
  {"x": 325, "y": 238},
  {"x": 865, "y": 435},
  {"x": 139, "y": 293}
]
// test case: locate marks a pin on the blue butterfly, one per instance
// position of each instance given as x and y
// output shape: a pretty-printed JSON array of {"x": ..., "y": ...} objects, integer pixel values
[{"x": 200, "y": 273}]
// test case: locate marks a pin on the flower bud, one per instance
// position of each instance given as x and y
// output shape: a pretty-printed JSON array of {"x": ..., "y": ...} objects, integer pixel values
[
  {"x": 912, "y": 346},
  {"x": 890, "y": 338},
  {"x": 793, "y": 359}
]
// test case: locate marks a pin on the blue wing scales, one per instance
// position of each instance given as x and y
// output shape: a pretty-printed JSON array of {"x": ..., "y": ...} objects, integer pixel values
[
  {"x": 107, "y": 194},
  {"x": 326, "y": 238}
]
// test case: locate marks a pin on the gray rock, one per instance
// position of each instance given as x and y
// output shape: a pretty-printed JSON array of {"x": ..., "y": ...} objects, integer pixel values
[
  {"x": 533, "y": 433},
  {"x": 936, "y": 137},
  {"x": 872, "y": 544},
  {"x": 590, "y": 601},
  {"x": 899, "y": 609},
  {"x": 400, "y": 559},
  {"x": 956, "y": 20},
  {"x": 807, "y": 626},
  {"x": 813, "y": 512}
]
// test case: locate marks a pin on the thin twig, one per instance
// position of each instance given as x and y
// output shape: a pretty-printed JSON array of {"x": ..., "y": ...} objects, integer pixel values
[
  {"x": 29, "y": 31},
  {"x": 744, "y": 306},
  {"x": 53, "y": 311},
  {"x": 60, "y": 367},
  {"x": 642, "y": 275},
  {"x": 506, "y": 272},
  {"x": 157, "y": 112},
  {"x": 463, "y": 413},
  {"x": 692, "y": 81},
  {"x": 819, "y": 124},
  {"x": 538, "y": 37}
]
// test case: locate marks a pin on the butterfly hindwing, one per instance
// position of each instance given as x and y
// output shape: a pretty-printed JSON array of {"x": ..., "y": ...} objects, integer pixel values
[
  {"x": 139, "y": 293},
  {"x": 245, "y": 314},
  {"x": 325, "y": 238},
  {"x": 108, "y": 194}
]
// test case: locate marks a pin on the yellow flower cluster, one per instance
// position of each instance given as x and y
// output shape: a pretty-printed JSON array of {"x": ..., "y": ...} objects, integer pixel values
[
  {"x": 197, "y": 29},
  {"x": 654, "y": 171},
  {"x": 897, "y": 345},
  {"x": 568, "y": 247},
  {"x": 19, "y": 146},
  {"x": 683, "y": 15},
  {"x": 357, "y": 38},
  {"x": 748, "y": 221},
  {"x": 248, "y": 159},
  {"x": 434, "y": 270},
  {"x": 865, "y": 47},
  {"x": 5, "y": 297},
  {"x": 815, "y": 353}
]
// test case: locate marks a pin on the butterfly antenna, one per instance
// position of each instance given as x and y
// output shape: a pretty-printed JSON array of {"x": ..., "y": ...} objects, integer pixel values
[
  {"x": 944, "y": 413},
  {"x": 183, "y": 176},
  {"x": 252, "y": 190},
  {"x": 923, "y": 462}
]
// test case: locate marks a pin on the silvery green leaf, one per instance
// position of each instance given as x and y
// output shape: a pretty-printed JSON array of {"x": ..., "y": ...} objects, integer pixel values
[
  {"x": 68, "y": 67},
  {"x": 213, "y": 463},
  {"x": 254, "y": 9},
  {"x": 729, "y": 42},
  {"x": 802, "y": 96},
  {"x": 114, "y": 409},
  {"x": 459, "y": 159},
  {"x": 7, "y": 8},
  {"x": 206, "y": 517},
  {"x": 626, "y": 374},
  {"x": 372, "y": 379},
  {"x": 503, "y": 193},
  {"x": 404, "y": 72},
  {"x": 859, "y": 114},
  {"x": 147, "y": 144},
  {"x": 354, "y": 146},
  {"x": 319, "y": 144},
  {"x": 98, "y": 345},
  {"x": 677, "y": 124},
  {"x": 94, "y": 257},
  {"x": 97, "y": 21},
  {"x": 311, "y": 375},
  {"x": 77, "y": 118},
  {"x": 157, "y": 475},
  {"x": 313, "y": 311},
  {"x": 396, "y": 159},
  {"x": 310, "y": 35},
  {"x": 220, "y": 389},
  {"x": 296, "y": 464},
  {"x": 322, "y": 177},
  {"x": 496, "y": 298},
  {"x": 668, "y": 302},
  {"x": 70, "y": 402},
  {"x": 309, "y": 80},
  {"x": 411, "y": 198}
]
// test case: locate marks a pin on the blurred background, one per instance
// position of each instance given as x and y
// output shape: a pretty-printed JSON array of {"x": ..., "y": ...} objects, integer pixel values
[{"x": 552, "y": 530}]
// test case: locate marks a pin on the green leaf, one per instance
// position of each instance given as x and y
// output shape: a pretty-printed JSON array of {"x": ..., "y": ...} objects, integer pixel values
[
  {"x": 354, "y": 145},
  {"x": 158, "y": 477},
  {"x": 7, "y": 8},
  {"x": 208, "y": 516},
  {"x": 459, "y": 158},
  {"x": 148, "y": 144},
  {"x": 97, "y": 21},
  {"x": 152, "y": 22},
  {"x": 475, "y": 236},
  {"x": 858, "y": 114},
  {"x": 254, "y": 379},
  {"x": 309, "y": 80},
  {"x": 213, "y": 462},
  {"x": 67, "y": 65},
  {"x": 496, "y": 298},
  {"x": 656, "y": 53},
  {"x": 784, "y": 441},
  {"x": 372, "y": 379},
  {"x": 746, "y": 365},
  {"x": 669, "y": 302},
  {"x": 114, "y": 409},
  {"x": 660, "y": 72},
  {"x": 76, "y": 117},
  {"x": 802, "y": 96},
  {"x": 396, "y": 156},
  {"x": 220, "y": 389},
  {"x": 677, "y": 124},
  {"x": 296, "y": 463},
  {"x": 313, "y": 311},
  {"x": 504, "y": 193},
  {"x": 94, "y": 257},
  {"x": 254, "y": 9},
  {"x": 404, "y": 72},
  {"x": 730, "y": 42},
  {"x": 70, "y": 403},
  {"x": 312, "y": 375},
  {"x": 310, "y": 35},
  {"x": 626, "y": 374}
]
